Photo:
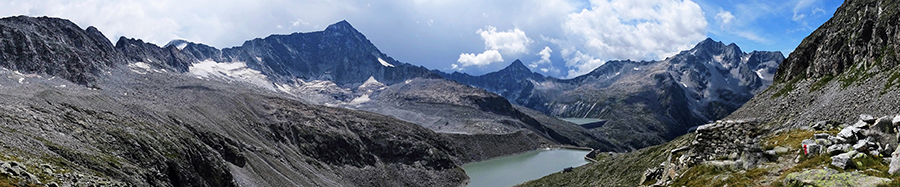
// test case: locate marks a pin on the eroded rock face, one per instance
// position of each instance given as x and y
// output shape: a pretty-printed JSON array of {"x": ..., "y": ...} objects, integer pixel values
[
  {"x": 55, "y": 47},
  {"x": 861, "y": 34}
]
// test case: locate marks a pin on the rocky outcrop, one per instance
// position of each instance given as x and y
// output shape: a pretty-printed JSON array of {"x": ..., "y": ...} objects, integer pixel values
[
  {"x": 861, "y": 35},
  {"x": 170, "y": 57},
  {"x": 870, "y": 136},
  {"x": 56, "y": 47}
]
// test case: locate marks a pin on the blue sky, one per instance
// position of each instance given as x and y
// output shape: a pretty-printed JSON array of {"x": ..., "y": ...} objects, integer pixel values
[{"x": 560, "y": 38}]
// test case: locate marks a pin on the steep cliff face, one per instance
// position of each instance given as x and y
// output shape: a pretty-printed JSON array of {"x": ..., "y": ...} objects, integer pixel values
[
  {"x": 845, "y": 67},
  {"x": 170, "y": 57},
  {"x": 55, "y": 47},
  {"x": 862, "y": 34}
]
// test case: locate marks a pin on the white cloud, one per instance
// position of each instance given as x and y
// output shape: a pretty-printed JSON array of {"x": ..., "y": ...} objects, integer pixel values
[
  {"x": 485, "y": 58},
  {"x": 545, "y": 57},
  {"x": 798, "y": 8},
  {"x": 725, "y": 17},
  {"x": 509, "y": 42},
  {"x": 625, "y": 29},
  {"x": 750, "y": 36}
]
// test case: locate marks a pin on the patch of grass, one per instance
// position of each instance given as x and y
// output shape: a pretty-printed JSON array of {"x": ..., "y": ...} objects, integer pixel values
[
  {"x": 8, "y": 181},
  {"x": 818, "y": 161},
  {"x": 788, "y": 87},
  {"x": 706, "y": 175},
  {"x": 857, "y": 73},
  {"x": 790, "y": 139},
  {"x": 891, "y": 82},
  {"x": 872, "y": 165},
  {"x": 821, "y": 83}
]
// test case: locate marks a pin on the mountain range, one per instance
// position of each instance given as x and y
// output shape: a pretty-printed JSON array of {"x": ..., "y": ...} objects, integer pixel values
[
  {"x": 645, "y": 103},
  {"x": 841, "y": 81},
  {"x": 86, "y": 112},
  {"x": 322, "y": 108}
]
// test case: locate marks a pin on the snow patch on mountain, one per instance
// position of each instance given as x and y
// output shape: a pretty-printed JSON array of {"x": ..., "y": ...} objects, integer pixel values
[
  {"x": 231, "y": 72},
  {"x": 384, "y": 63}
]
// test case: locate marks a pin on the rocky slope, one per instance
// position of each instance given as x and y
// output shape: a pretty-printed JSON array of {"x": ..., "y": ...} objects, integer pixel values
[
  {"x": 667, "y": 97},
  {"x": 144, "y": 125},
  {"x": 807, "y": 124},
  {"x": 55, "y": 47}
]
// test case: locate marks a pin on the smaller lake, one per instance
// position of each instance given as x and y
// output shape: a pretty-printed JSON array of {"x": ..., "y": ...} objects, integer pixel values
[{"x": 515, "y": 169}]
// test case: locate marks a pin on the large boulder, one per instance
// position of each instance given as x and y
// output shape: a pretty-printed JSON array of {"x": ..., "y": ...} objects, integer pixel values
[
  {"x": 884, "y": 124},
  {"x": 843, "y": 160},
  {"x": 810, "y": 147},
  {"x": 838, "y": 149},
  {"x": 862, "y": 145},
  {"x": 848, "y": 134}
]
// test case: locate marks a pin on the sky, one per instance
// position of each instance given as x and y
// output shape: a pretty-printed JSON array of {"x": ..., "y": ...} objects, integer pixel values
[{"x": 559, "y": 38}]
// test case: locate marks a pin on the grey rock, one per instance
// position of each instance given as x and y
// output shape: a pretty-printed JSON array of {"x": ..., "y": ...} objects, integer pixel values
[
  {"x": 824, "y": 142},
  {"x": 810, "y": 147},
  {"x": 867, "y": 118},
  {"x": 894, "y": 167},
  {"x": 884, "y": 124},
  {"x": 874, "y": 153},
  {"x": 838, "y": 149},
  {"x": 822, "y": 136},
  {"x": 896, "y": 121},
  {"x": 861, "y": 145},
  {"x": 843, "y": 160},
  {"x": 837, "y": 140},
  {"x": 861, "y": 125},
  {"x": 781, "y": 150},
  {"x": 848, "y": 134}
]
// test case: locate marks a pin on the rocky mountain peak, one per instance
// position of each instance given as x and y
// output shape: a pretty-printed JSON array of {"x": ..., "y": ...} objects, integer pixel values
[
  {"x": 516, "y": 67},
  {"x": 169, "y": 58},
  {"x": 343, "y": 28},
  {"x": 56, "y": 47},
  {"x": 714, "y": 48},
  {"x": 178, "y": 43}
]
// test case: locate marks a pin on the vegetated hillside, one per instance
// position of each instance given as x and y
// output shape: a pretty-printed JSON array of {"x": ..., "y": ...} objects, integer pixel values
[
  {"x": 809, "y": 128},
  {"x": 648, "y": 102}
]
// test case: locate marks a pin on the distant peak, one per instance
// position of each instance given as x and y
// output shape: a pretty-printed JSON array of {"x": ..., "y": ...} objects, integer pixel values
[
  {"x": 178, "y": 43},
  {"x": 516, "y": 66},
  {"x": 710, "y": 43},
  {"x": 341, "y": 26}
]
